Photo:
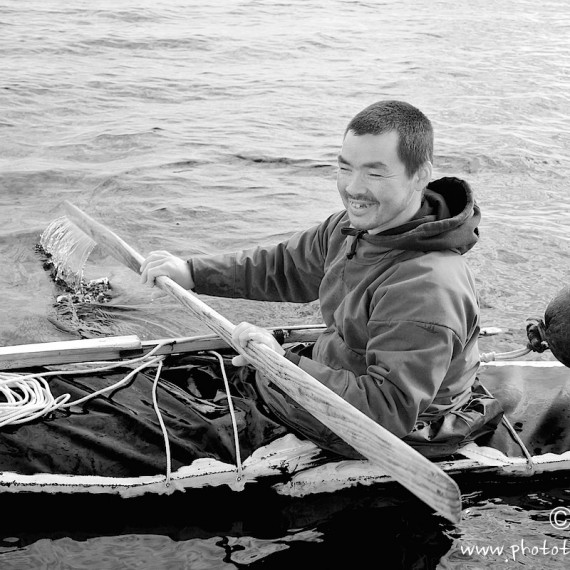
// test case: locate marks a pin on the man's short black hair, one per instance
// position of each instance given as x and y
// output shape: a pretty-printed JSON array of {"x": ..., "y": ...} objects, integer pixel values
[{"x": 414, "y": 130}]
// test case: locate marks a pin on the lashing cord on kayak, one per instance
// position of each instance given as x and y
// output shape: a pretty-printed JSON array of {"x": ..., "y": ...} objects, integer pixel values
[
  {"x": 239, "y": 465},
  {"x": 492, "y": 356},
  {"x": 161, "y": 422},
  {"x": 232, "y": 414},
  {"x": 530, "y": 464}
]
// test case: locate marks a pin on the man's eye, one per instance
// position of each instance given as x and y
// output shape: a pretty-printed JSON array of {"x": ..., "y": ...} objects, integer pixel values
[{"x": 375, "y": 175}]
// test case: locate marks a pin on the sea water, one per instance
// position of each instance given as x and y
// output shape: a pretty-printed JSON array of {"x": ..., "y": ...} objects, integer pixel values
[{"x": 215, "y": 125}]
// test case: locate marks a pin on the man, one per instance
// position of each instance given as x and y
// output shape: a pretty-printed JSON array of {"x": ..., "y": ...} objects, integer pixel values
[{"x": 396, "y": 296}]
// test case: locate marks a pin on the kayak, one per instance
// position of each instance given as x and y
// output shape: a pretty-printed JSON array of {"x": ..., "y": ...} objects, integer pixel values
[{"x": 533, "y": 439}]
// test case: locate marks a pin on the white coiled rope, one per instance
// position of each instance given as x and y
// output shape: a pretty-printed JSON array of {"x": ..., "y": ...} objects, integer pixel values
[{"x": 27, "y": 396}]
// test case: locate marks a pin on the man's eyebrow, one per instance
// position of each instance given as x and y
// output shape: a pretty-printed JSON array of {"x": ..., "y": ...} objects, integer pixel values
[{"x": 376, "y": 164}]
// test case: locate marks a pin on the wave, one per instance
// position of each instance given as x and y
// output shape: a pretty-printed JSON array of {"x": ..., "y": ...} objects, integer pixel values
[
  {"x": 194, "y": 43},
  {"x": 283, "y": 161}
]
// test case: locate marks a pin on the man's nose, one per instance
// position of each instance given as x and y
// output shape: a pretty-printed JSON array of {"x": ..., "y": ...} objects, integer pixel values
[{"x": 355, "y": 184}]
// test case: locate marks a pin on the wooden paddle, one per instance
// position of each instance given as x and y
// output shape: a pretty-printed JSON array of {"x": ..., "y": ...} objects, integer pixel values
[{"x": 419, "y": 475}]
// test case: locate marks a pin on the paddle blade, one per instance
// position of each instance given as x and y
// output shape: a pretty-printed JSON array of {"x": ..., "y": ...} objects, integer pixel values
[
  {"x": 68, "y": 248},
  {"x": 103, "y": 236}
]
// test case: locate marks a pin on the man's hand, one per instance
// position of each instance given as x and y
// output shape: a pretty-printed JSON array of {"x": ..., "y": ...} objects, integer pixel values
[
  {"x": 244, "y": 332},
  {"x": 164, "y": 263}
]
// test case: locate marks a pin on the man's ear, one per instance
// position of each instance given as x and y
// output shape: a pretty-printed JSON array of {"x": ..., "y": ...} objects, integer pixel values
[{"x": 423, "y": 176}]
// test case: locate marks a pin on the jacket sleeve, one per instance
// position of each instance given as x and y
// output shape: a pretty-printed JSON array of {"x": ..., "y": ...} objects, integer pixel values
[
  {"x": 417, "y": 330},
  {"x": 407, "y": 362},
  {"x": 289, "y": 271}
]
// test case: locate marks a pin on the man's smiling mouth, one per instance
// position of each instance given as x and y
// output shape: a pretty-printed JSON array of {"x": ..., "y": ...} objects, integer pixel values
[{"x": 359, "y": 204}]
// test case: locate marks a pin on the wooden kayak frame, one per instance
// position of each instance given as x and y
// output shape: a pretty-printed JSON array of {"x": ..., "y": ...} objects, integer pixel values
[{"x": 128, "y": 346}]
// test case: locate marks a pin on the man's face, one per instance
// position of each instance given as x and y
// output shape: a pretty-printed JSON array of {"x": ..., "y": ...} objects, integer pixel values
[{"x": 373, "y": 184}]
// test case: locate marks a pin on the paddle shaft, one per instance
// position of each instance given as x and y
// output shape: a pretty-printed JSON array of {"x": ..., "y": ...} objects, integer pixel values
[{"x": 419, "y": 475}]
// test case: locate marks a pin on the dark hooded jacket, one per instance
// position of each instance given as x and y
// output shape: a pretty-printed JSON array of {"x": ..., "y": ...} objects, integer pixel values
[{"x": 401, "y": 315}]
